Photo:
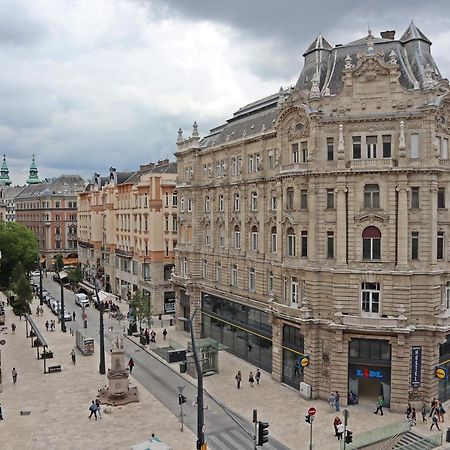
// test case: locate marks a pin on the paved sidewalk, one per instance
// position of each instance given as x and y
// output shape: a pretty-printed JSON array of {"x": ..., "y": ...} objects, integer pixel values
[
  {"x": 282, "y": 406},
  {"x": 59, "y": 402}
]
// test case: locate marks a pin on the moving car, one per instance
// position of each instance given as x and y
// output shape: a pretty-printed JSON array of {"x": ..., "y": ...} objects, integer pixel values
[{"x": 81, "y": 299}]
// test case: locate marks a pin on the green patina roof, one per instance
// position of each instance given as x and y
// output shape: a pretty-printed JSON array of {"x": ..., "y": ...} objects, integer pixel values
[
  {"x": 33, "y": 177},
  {"x": 4, "y": 174}
]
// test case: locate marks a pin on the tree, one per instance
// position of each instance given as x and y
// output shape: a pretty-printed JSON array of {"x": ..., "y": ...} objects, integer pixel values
[
  {"x": 17, "y": 243},
  {"x": 16, "y": 273},
  {"x": 24, "y": 296},
  {"x": 75, "y": 276},
  {"x": 141, "y": 307},
  {"x": 58, "y": 264}
]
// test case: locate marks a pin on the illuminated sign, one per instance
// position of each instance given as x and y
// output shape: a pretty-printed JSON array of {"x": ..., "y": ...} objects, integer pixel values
[
  {"x": 368, "y": 373},
  {"x": 440, "y": 373},
  {"x": 416, "y": 366}
]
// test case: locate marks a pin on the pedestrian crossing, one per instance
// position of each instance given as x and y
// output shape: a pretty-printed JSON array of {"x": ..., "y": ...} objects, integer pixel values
[{"x": 236, "y": 439}]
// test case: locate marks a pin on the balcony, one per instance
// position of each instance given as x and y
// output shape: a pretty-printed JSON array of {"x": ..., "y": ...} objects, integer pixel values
[
  {"x": 124, "y": 253},
  {"x": 375, "y": 323},
  {"x": 376, "y": 163}
]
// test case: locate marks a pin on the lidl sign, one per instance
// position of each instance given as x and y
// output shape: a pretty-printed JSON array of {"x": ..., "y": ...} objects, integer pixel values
[{"x": 369, "y": 373}]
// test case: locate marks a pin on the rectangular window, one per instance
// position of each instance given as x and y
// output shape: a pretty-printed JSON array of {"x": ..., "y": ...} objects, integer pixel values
[
  {"x": 294, "y": 290},
  {"x": 257, "y": 162},
  {"x": 415, "y": 245},
  {"x": 218, "y": 172},
  {"x": 303, "y": 199},
  {"x": 174, "y": 199},
  {"x": 234, "y": 275},
  {"x": 370, "y": 298},
  {"x": 304, "y": 244},
  {"x": 371, "y": 143},
  {"x": 440, "y": 245},
  {"x": 236, "y": 202},
  {"x": 207, "y": 204},
  {"x": 444, "y": 148},
  {"x": 221, "y": 203},
  {"x": 441, "y": 198},
  {"x": 304, "y": 151},
  {"x": 189, "y": 205},
  {"x": 273, "y": 203},
  {"x": 387, "y": 150},
  {"x": 371, "y": 196},
  {"x": 270, "y": 283},
  {"x": 295, "y": 156},
  {"x": 356, "y": 147},
  {"x": 330, "y": 149},
  {"x": 204, "y": 269},
  {"x": 290, "y": 198},
  {"x": 273, "y": 242},
  {"x": 330, "y": 244},
  {"x": 233, "y": 166},
  {"x": 415, "y": 146},
  {"x": 254, "y": 201},
  {"x": 251, "y": 164},
  {"x": 415, "y": 203},
  {"x": 237, "y": 239},
  {"x": 270, "y": 160},
  {"x": 330, "y": 198},
  {"x": 219, "y": 272},
  {"x": 251, "y": 279},
  {"x": 255, "y": 238}
]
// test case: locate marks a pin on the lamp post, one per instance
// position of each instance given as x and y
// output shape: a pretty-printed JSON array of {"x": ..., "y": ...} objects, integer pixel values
[
  {"x": 41, "y": 300},
  {"x": 102, "y": 365},
  {"x": 63, "y": 321},
  {"x": 200, "y": 408}
]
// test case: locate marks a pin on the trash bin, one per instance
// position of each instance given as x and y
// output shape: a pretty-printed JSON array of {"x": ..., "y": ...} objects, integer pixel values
[
  {"x": 447, "y": 438},
  {"x": 183, "y": 366}
]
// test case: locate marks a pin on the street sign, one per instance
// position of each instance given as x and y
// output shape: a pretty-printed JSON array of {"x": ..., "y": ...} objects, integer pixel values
[
  {"x": 304, "y": 361},
  {"x": 311, "y": 411}
]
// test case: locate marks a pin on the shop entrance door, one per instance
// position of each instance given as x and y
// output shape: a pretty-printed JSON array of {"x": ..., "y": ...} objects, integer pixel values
[{"x": 368, "y": 390}]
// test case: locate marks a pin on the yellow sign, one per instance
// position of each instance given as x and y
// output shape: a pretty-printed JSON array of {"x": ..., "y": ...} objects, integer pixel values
[
  {"x": 304, "y": 361},
  {"x": 204, "y": 447},
  {"x": 440, "y": 373}
]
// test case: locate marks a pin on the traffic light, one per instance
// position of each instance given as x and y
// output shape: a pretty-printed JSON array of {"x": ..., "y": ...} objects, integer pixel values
[
  {"x": 262, "y": 435},
  {"x": 308, "y": 418},
  {"x": 349, "y": 437},
  {"x": 181, "y": 399}
]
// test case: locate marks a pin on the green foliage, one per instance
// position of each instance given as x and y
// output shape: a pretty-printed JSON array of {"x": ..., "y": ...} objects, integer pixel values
[
  {"x": 59, "y": 263},
  {"x": 24, "y": 296},
  {"x": 142, "y": 308},
  {"x": 17, "y": 244},
  {"x": 75, "y": 276},
  {"x": 16, "y": 273}
]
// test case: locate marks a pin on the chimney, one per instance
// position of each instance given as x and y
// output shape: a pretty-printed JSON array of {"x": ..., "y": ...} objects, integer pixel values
[{"x": 388, "y": 34}]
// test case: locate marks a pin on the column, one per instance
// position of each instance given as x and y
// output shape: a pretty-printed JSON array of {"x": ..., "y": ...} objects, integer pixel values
[
  {"x": 402, "y": 227},
  {"x": 312, "y": 240},
  {"x": 341, "y": 225}
]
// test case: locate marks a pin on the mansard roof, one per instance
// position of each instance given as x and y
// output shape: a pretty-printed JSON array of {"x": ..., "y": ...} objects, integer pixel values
[
  {"x": 319, "y": 43},
  {"x": 412, "y": 33}
]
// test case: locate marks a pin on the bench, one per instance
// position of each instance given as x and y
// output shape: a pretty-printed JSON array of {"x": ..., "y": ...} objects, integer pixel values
[{"x": 53, "y": 369}]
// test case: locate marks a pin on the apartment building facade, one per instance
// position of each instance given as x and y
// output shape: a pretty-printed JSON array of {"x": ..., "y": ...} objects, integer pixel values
[
  {"x": 314, "y": 224},
  {"x": 128, "y": 231}
]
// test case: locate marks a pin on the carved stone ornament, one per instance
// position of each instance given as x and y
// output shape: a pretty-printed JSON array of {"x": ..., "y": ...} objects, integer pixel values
[
  {"x": 293, "y": 121},
  {"x": 442, "y": 118},
  {"x": 370, "y": 67},
  {"x": 348, "y": 63},
  {"x": 392, "y": 57}
]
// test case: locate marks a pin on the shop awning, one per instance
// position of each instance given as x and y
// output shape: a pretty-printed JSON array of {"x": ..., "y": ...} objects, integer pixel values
[
  {"x": 70, "y": 261},
  {"x": 85, "y": 286},
  {"x": 106, "y": 296}
]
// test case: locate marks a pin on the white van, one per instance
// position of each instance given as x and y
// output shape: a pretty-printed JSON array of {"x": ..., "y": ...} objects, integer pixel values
[{"x": 81, "y": 299}]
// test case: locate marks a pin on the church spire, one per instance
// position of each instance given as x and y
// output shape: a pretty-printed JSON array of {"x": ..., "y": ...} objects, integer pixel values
[
  {"x": 33, "y": 177},
  {"x": 4, "y": 174}
]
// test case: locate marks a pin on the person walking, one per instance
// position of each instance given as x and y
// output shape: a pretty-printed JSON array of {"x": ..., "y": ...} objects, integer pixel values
[
  {"x": 441, "y": 411},
  {"x": 93, "y": 410},
  {"x": 380, "y": 404},
  {"x": 340, "y": 431},
  {"x": 337, "y": 398},
  {"x": 99, "y": 407},
  {"x": 424, "y": 413},
  {"x": 164, "y": 334},
  {"x": 251, "y": 379},
  {"x": 153, "y": 333},
  {"x": 257, "y": 376},
  {"x": 413, "y": 418},
  {"x": 238, "y": 378},
  {"x": 435, "y": 422},
  {"x": 14, "y": 375},
  {"x": 336, "y": 422},
  {"x": 73, "y": 356},
  {"x": 46, "y": 325},
  {"x": 131, "y": 364},
  {"x": 13, "y": 328},
  {"x": 74, "y": 315},
  {"x": 433, "y": 405},
  {"x": 331, "y": 402},
  {"x": 408, "y": 411}
]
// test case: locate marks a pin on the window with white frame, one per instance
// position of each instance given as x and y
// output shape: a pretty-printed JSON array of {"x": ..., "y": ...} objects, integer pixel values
[
  {"x": 221, "y": 203},
  {"x": 440, "y": 245},
  {"x": 446, "y": 299},
  {"x": 273, "y": 202},
  {"x": 371, "y": 196},
  {"x": 371, "y": 145},
  {"x": 219, "y": 272},
  {"x": 205, "y": 269},
  {"x": 254, "y": 201},
  {"x": 294, "y": 290},
  {"x": 184, "y": 267},
  {"x": 370, "y": 298},
  {"x": 251, "y": 279},
  {"x": 189, "y": 205},
  {"x": 239, "y": 165},
  {"x": 218, "y": 169},
  {"x": 234, "y": 275},
  {"x": 371, "y": 243},
  {"x": 233, "y": 166},
  {"x": 273, "y": 240},
  {"x": 291, "y": 242},
  {"x": 270, "y": 282},
  {"x": 175, "y": 199},
  {"x": 236, "y": 204},
  {"x": 270, "y": 159},
  {"x": 174, "y": 223},
  {"x": 207, "y": 203},
  {"x": 304, "y": 151},
  {"x": 444, "y": 147},
  {"x": 182, "y": 204},
  {"x": 295, "y": 155},
  {"x": 415, "y": 146},
  {"x": 255, "y": 238},
  {"x": 251, "y": 164},
  {"x": 237, "y": 237}
]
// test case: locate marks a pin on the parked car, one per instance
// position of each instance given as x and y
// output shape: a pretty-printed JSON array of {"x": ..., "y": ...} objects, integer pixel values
[
  {"x": 81, "y": 299},
  {"x": 35, "y": 273},
  {"x": 54, "y": 306},
  {"x": 67, "y": 315}
]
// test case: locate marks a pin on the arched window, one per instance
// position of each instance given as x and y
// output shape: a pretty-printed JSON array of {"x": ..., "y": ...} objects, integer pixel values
[
  {"x": 273, "y": 240},
  {"x": 237, "y": 237},
  {"x": 207, "y": 206},
  {"x": 291, "y": 242},
  {"x": 371, "y": 243},
  {"x": 255, "y": 238}
]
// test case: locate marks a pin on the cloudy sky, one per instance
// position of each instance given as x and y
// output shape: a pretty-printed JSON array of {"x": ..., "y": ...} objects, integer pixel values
[{"x": 88, "y": 84}]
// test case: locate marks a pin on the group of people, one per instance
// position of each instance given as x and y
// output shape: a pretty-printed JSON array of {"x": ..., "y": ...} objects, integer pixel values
[
  {"x": 95, "y": 409},
  {"x": 338, "y": 428},
  {"x": 437, "y": 413},
  {"x": 334, "y": 401},
  {"x": 40, "y": 311},
  {"x": 251, "y": 378},
  {"x": 50, "y": 326}
]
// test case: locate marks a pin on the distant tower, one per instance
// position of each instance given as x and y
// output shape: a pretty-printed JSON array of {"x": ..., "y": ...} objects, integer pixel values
[
  {"x": 4, "y": 174},
  {"x": 33, "y": 177}
]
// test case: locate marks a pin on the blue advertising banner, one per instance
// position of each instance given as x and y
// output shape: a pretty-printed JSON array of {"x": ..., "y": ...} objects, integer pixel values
[{"x": 416, "y": 366}]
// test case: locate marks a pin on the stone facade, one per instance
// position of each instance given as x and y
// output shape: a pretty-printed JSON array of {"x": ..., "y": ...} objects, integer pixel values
[
  {"x": 326, "y": 206},
  {"x": 128, "y": 230}
]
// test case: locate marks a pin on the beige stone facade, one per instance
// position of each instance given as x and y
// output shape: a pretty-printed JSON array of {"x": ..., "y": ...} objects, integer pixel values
[
  {"x": 326, "y": 208},
  {"x": 128, "y": 230}
]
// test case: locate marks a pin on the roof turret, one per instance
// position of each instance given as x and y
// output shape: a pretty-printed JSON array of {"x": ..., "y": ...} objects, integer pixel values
[
  {"x": 413, "y": 33},
  {"x": 4, "y": 174},
  {"x": 33, "y": 177}
]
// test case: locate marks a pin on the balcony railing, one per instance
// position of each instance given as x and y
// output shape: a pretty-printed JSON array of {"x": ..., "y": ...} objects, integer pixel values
[{"x": 376, "y": 163}]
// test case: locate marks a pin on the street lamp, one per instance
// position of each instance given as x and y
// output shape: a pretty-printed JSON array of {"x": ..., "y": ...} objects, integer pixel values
[
  {"x": 200, "y": 409},
  {"x": 63, "y": 321},
  {"x": 41, "y": 300},
  {"x": 102, "y": 365}
]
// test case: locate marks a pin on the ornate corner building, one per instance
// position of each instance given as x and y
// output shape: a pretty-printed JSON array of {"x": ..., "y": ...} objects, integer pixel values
[
  {"x": 315, "y": 223},
  {"x": 128, "y": 231}
]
